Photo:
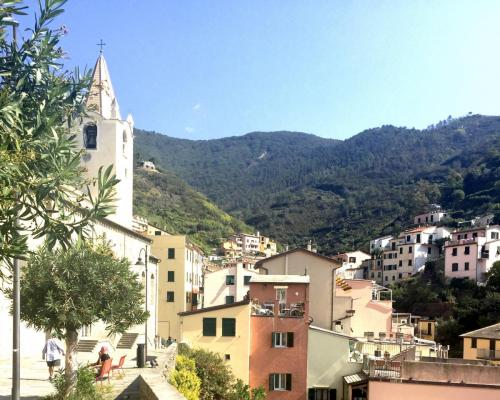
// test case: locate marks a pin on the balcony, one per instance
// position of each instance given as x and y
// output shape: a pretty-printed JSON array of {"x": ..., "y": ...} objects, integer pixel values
[
  {"x": 281, "y": 310},
  {"x": 460, "y": 242},
  {"x": 487, "y": 354},
  {"x": 485, "y": 254}
]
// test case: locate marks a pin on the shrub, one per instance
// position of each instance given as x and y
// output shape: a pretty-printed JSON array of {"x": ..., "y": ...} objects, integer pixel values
[{"x": 184, "y": 378}]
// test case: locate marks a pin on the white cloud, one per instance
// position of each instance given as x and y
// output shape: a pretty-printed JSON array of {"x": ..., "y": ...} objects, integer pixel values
[
  {"x": 196, "y": 107},
  {"x": 189, "y": 129}
]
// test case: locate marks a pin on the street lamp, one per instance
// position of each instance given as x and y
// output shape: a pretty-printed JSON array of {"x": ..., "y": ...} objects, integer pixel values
[{"x": 145, "y": 263}]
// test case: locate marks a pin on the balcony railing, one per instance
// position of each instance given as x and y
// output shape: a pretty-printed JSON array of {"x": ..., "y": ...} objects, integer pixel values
[
  {"x": 384, "y": 369},
  {"x": 487, "y": 354},
  {"x": 282, "y": 310}
]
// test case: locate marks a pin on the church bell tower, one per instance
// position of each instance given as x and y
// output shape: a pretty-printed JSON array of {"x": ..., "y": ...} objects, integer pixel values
[{"x": 107, "y": 139}]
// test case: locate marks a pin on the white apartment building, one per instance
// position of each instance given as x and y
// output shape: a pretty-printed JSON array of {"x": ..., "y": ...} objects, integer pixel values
[{"x": 470, "y": 253}]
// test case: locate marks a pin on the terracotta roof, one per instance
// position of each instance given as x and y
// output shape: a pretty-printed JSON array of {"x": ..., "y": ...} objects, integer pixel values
[
  {"x": 259, "y": 263},
  {"x": 488, "y": 332},
  {"x": 220, "y": 307}
]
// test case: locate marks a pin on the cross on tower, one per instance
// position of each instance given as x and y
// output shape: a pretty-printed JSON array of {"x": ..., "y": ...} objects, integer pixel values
[{"x": 101, "y": 44}]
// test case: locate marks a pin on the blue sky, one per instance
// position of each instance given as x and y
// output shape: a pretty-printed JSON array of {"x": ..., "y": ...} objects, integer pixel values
[{"x": 214, "y": 68}]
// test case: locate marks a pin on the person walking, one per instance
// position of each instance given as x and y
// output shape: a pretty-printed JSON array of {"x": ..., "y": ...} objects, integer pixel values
[{"x": 51, "y": 353}]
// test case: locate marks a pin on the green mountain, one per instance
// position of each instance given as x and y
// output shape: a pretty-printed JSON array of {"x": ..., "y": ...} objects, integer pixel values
[
  {"x": 295, "y": 186},
  {"x": 169, "y": 203}
]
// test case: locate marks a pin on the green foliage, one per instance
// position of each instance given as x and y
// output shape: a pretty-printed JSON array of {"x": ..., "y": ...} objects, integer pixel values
[
  {"x": 184, "y": 378},
  {"x": 295, "y": 187},
  {"x": 40, "y": 168},
  {"x": 63, "y": 290},
  {"x": 85, "y": 387},
  {"x": 242, "y": 391},
  {"x": 459, "y": 306},
  {"x": 172, "y": 205},
  {"x": 493, "y": 280}
]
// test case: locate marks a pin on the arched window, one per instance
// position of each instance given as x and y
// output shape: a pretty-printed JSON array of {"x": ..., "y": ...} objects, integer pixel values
[{"x": 90, "y": 136}]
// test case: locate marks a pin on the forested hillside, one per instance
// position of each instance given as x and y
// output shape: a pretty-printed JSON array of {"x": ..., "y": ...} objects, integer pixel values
[
  {"x": 296, "y": 186},
  {"x": 169, "y": 203}
]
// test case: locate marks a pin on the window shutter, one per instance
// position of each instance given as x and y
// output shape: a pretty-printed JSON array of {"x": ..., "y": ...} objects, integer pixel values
[
  {"x": 333, "y": 394},
  {"x": 311, "y": 394},
  {"x": 288, "y": 381},
  {"x": 289, "y": 339},
  {"x": 272, "y": 339},
  {"x": 271, "y": 381}
]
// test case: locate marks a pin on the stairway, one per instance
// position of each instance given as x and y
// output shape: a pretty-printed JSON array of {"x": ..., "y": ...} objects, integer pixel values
[
  {"x": 343, "y": 284},
  {"x": 127, "y": 340},
  {"x": 86, "y": 346}
]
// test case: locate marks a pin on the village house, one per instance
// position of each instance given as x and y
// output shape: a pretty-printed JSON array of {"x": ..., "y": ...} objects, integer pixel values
[
  {"x": 471, "y": 252},
  {"x": 483, "y": 344},
  {"x": 351, "y": 264}
]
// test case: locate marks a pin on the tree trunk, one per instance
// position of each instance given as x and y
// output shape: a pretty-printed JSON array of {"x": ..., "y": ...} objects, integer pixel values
[{"x": 69, "y": 371}]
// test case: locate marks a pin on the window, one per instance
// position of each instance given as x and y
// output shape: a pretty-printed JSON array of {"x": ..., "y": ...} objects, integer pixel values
[
  {"x": 280, "y": 382},
  {"x": 170, "y": 297},
  {"x": 228, "y": 326},
  {"x": 466, "y": 266},
  {"x": 227, "y": 357},
  {"x": 454, "y": 251},
  {"x": 171, "y": 276},
  {"x": 465, "y": 236},
  {"x": 188, "y": 297},
  {"x": 322, "y": 394},
  {"x": 408, "y": 238},
  {"x": 393, "y": 278},
  {"x": 352, "y": 259},
  {"x": 282, "y": 339},
  {"x": 494, "y": 235},
  {"x": 474, "y": 235},
  {"x": 229, "y": 279},
  {"x": 400, "y": 275},
  {"x": 90, "y": 136},
  {"x": 429, "y": 250},
  {"x": 454, "y": 267},
  {"x": 194, "y": 299},
  {"x": 171, "y": 253},
  {"x": 473, "y": 343},
  {"x": 246, "y": 279},
  {"x": 281, "y": 295},
  {"x": 209, "y": 326},
  {"x": 400, "y": 250},
  {"x": 432, "y": 218},
  {"x": 410, "y": 263},
  {"x": 229, "y": 299},
  {"x": 400, "y": 263},
  {"x": 378, "y": 275},
  {"x": 418, "y": 237},
  {"x": 467, "y": 250},
  {"x": 418, "y": 220},
  {"x": 373, "y": 274},
  {"x": 410, "y": 249},
  {"x": 386, "y": 278},
  {"x": 459, "y": 237}
]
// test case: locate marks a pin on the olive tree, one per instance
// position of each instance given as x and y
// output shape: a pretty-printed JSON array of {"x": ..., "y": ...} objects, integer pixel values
[
  {"x": 43, "y": 192},
  {"x": 63, "y": 290}
]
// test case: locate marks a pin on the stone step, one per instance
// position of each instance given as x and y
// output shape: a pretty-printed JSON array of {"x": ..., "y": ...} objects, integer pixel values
[
  {"x": 127, "y": 340},
  {"x": 86, "y": 346}
]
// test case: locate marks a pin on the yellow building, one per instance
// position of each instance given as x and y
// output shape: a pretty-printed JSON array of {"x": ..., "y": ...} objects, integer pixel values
[
  {"x": 180, "y": 277},
  {"x": 223, "y": 329},
  {"x": 483, "y": 344},
  {"x": 426, "y": 329},
  {"x": 267, "y": 246}
]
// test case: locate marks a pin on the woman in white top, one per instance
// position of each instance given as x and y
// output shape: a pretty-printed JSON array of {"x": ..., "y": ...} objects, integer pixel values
[{"x": 52, "y": 352}]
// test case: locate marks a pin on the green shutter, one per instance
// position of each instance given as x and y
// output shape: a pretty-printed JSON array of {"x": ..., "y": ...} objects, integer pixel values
[
  {"x": 209, "y": 326},
  {"x": 288, "y": 381},
  {"x": 333, "y": 394},
  {"x": 271, "y": 382},
  {"x": 273, "y": 342},
  {"x": 289, "y": 339},
  {"x": 311, "y": 395},
  {"x": 228, "y": 326}
]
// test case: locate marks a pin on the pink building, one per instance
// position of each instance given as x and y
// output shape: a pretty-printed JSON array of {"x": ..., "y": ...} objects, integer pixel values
[
  {"x": 279, "y": 327},
  {"x": 471, "y": 253}
]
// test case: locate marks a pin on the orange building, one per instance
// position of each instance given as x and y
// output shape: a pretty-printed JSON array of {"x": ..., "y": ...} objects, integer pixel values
[{"x": 279, "y": 324}]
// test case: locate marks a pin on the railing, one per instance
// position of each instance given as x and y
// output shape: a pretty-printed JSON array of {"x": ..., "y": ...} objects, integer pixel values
[
  {"x": 385, "y": 369},
  {"x": 461, "y": 241},
  {"x": 487, "y": 354},
  {"x": 282, "y": 310}
]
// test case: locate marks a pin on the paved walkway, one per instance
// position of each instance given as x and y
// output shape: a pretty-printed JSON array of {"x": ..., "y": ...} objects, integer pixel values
[{"x": 34, "y": 374}]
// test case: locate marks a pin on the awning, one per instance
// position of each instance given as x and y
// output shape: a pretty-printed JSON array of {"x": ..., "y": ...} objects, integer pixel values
[{"x": 355, "y": 378}]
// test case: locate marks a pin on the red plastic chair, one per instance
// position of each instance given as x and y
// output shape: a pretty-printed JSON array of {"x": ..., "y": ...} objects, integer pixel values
[
  {"x": 119, "y": 367},
  {"x": 105, "y": 369}
]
